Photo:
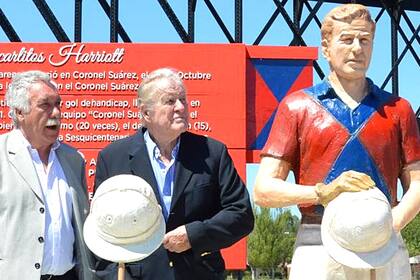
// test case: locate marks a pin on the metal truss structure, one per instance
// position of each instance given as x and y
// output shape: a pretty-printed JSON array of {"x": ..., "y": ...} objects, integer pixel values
[{"x": 396, "y": 10}]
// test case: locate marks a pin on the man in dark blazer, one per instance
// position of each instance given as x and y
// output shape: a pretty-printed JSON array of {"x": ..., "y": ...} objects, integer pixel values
[
  {"x": 43, "y": 195},
  {"x": 204, "y": 201}
]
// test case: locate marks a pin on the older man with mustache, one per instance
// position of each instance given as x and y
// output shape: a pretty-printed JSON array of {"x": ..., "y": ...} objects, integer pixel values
[{"x": 43, "y": 195}]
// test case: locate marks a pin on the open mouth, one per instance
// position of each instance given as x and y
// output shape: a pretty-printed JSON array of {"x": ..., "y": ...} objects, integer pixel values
[
  {"x": 53, "y": 127},
  {"x": 53, "y": 124}
]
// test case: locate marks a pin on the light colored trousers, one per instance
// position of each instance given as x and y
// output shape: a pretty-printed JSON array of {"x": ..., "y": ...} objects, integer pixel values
[{"x": 312, "y": 262}]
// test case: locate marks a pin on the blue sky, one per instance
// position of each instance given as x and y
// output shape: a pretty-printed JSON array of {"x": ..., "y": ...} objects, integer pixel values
[{"x": 144, "y": 21}]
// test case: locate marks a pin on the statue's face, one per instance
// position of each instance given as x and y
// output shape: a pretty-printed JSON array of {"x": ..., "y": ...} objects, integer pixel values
[{"x": 349, "y": 49}]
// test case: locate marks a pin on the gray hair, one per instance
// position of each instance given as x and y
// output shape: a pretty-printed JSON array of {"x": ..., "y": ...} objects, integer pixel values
[
  {"x": 158, "y": 81},
  {"x": 17, "y": 95}
]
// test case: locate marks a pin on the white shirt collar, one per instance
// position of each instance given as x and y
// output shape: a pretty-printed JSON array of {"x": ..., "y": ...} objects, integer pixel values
[
  {"x": 153, "y": 149},
  {"x": 28, "y": 145}
]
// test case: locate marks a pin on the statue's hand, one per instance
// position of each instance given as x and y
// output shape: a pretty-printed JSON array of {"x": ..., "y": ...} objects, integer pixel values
[{"x": 348, "y": 181}]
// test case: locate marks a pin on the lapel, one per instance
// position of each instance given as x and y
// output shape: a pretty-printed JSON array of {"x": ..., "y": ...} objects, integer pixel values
[
  {"x": 140, "y": 163},
  {"x": 65, "y": 161},
  {"x": 182, "y": 173},
  {"x": 21, "y": 160}
]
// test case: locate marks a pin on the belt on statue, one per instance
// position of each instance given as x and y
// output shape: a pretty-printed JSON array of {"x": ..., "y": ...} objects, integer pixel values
[{"x": 306, "y": 219}]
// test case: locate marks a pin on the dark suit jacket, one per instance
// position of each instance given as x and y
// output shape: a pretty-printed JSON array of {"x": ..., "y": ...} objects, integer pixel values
[{"x": 208, "y": 197}]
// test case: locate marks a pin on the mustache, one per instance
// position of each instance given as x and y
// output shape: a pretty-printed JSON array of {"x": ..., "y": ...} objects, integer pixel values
[{"x": 52, "y": 122}]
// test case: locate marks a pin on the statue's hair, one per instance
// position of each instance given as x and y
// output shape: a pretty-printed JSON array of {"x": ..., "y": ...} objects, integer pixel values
[{"x": 345, "y": 13}]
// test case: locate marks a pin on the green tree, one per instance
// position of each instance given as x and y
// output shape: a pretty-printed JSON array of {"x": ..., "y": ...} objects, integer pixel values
[
  {"x": 271, "y": 242},
  {"x": 411, "y": 236}
]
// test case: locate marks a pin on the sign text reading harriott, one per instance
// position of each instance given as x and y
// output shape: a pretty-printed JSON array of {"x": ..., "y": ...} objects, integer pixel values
[{"x": 65, "y": 53}]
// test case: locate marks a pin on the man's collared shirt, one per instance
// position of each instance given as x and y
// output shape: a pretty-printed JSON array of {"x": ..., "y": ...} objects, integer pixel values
[
  {"x": 164, "y": 174},
  {"x": 59, "y": 234}
]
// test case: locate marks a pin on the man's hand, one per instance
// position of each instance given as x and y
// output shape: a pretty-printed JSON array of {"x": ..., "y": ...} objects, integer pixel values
[
  {"x": 177, "y": 240},
  {"x": 348, "y": 181}
]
